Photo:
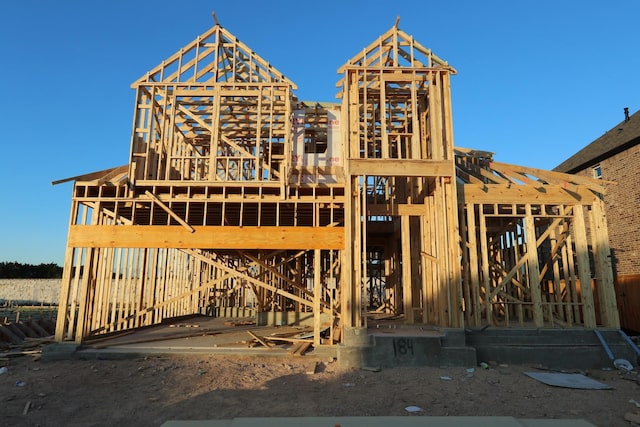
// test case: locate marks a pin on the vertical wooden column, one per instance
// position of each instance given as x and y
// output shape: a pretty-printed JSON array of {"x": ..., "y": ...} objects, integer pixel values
[
  {"x": 384, "y": 135},
  {"x": 584, "y": 271},
  {"x": 427, "y": 263},
  {"x": 391, "y": 270},
  {"x": 415, "y": 124},
  {"x": 407, "y": 300},
  {"x": 83, "y": 308},
  {"x": 351, "y": 255},
  {"x": 484, "y": 254},
  {"x": 215, "y": 134},
  {"x": 317, "y": 296},
  {"x": 473, "y": 303},
  {"x": 466, "y": 268},
  {"x": 362, "y": 217},
  {"x": 442, "y": 285},
  {"x": 417, "y": 268},
  {"x": 453, "y": 256},
  {"x": 604, "y": 272},
  {"x": 285, "y": 170},
  {"x": 448, "y": 111},
  {"x": 63, "y": 300},
  {"x": 533, "y": 267},
  {"x": 357, "y": 266}
]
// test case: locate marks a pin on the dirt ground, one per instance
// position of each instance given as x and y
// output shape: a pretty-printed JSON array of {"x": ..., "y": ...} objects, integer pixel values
[{"x": 151, "y": 390}]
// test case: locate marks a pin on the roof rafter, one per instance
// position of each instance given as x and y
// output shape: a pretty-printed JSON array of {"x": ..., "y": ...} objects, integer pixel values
[{"x": 216, "y": 56}]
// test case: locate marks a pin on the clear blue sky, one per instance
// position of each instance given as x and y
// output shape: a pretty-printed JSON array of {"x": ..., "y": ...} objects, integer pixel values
[{"x": 537, "y": 80}]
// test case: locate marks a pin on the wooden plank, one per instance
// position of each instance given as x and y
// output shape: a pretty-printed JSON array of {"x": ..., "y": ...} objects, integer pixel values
[
  {"x": 442, "y": 252},
  {"x": 302, "y": 349},
  {"x": 484, "y": 262},
  {"x": 428, "y": 264},
  {"x": 243, "y": 275},
  {"x": 215, "y": 237},
  {"x": 111, "y": 172},
  {"x": 497, "y": 193},
  {"x": 406, "y": 271},
  {"x": 65, "y": 290},
  {"x": 317, "y": 295},
  {"x": 395, "y": 210},
  {"x": 533, "y": 267},
  {"x": 170, "y": 211},
  {"x": 453, "y": 252},
  {"x": 563, "y": 179},
  {"x": 314, "y": 368},
  {"x": 435, "y": 119},
  {"x": 604, "y": 272},
  {"x": 474, "y": 264},
  {"x": 396, "y": 167},
  {"x": 295, "y": 348},
  {"x": 584, "y": 272},
  {"x": 259, "y": 339}
]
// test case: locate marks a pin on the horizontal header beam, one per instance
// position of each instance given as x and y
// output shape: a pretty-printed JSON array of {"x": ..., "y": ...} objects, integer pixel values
[
  {"x": 548, "y": 194},
  {"x": 205, "y": 237},
  {"x": 399, "y": 167}
]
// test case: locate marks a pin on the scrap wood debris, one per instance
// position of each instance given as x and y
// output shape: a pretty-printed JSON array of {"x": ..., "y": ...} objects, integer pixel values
[
  {"x": 298, "y": 348},
  {"x": 239, "y": 322}
]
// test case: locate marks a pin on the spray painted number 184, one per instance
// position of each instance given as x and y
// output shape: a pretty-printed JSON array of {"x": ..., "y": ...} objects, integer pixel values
[{"x": 402, "y": 347}]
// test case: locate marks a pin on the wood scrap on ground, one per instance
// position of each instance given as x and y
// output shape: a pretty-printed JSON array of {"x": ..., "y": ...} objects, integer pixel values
[
  {"x": 314, "y": 368},
  {"x": 259, "y": 339},
  {"x": 239, "y": 322},
  {"x": 300, "y": 348}
]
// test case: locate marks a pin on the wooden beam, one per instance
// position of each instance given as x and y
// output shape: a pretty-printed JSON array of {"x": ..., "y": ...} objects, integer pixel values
[
  {"x": 396, "y": 210},
  {"x": 407, "y": 290},
  {"x": 533, "y": 267},
  {"x": 397, "y": 167},
  {"x": 497, "y": 193},
  {"x": 584, "y": 273},
  {"x": 111, "y": 172},
  {"x": 317, "y": 296},
  {"x": 168, "y": 210},
  {"x": 211, "y": 237},
  {"x": 604, "y": 272},
  {"x": 594, "y": 184}
]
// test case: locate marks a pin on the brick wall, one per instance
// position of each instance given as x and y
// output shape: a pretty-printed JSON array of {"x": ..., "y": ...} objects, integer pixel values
[{"x": 622, "y": 203}]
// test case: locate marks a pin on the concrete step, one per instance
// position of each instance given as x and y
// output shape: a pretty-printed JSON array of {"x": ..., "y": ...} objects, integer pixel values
[
  {"x": 406, "y": 346},
  {"x": 553, "y": 348}
]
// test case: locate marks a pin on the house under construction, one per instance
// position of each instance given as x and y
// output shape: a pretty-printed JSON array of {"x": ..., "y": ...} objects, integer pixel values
[{"x": 241, "y": 199}]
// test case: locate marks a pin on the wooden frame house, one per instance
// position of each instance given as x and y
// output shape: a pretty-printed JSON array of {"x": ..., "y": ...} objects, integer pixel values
[{"x": 240, "y": 199}]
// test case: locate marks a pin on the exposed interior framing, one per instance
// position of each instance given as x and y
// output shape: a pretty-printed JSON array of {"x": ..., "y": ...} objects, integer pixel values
[{"x": 240, "y": 198}]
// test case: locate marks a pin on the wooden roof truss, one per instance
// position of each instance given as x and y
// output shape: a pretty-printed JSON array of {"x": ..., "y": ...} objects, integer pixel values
[{"x": 213, "y": 111}]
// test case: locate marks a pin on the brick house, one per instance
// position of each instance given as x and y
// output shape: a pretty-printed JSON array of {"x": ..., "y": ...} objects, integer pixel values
[{"x": 615, "y": 157}]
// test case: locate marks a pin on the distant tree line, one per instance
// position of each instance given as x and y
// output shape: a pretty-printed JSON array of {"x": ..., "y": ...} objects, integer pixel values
[{"x": 16, "y": 270}]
